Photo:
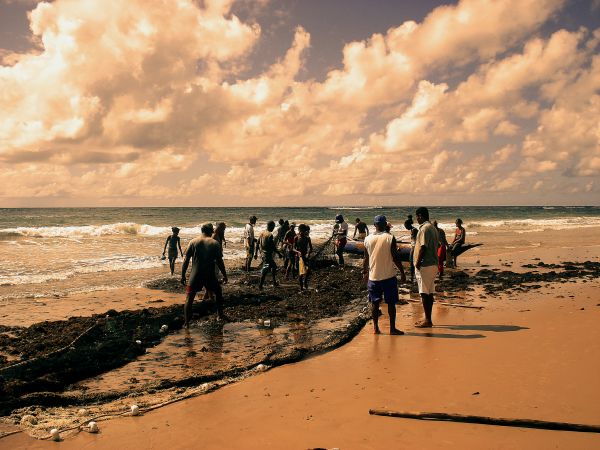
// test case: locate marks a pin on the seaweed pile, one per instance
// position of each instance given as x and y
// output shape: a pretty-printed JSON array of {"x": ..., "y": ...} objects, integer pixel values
[{"x": 44, "y": 362}]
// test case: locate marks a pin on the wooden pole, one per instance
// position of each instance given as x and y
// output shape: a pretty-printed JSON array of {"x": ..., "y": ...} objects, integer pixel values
[{"x": 521, "y": 423}]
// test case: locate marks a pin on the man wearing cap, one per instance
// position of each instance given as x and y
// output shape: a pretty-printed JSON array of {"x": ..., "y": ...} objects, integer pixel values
[
  {"x": 379, "y": 270},
  {"x": 340, "y": 232},
  {"x": 250, "y": 243},
  {"x": 205, "y": 252},
  {"x": 426, "y": 263}
]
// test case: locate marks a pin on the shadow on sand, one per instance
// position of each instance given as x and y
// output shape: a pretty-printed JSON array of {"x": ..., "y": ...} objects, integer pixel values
[
  {"x": 445, "y": 335},
  {"x": 494, "y": 328}
]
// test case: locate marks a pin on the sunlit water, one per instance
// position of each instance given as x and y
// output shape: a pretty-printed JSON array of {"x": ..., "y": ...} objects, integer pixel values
[{"x": 56, "y": 251}]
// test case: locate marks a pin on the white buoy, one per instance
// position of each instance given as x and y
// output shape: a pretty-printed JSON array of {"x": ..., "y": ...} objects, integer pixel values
[
  {"x": 267, "y": 323},
  {"x": 135, "y": 410},
  {"x": 55, "y": 434},
  {"x": 138, "y": 342},
  {"x": 164, "y": 329},
  {"x": 93, "y": 427}
]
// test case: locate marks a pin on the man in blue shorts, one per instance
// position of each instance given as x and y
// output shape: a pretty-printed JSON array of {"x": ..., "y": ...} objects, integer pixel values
[{"x": 379, "y": 270}]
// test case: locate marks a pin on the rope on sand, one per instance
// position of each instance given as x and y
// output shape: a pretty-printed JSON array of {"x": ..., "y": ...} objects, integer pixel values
[
  {"x": 521, "y": 423},
  {"x": 81, "y": 426}
]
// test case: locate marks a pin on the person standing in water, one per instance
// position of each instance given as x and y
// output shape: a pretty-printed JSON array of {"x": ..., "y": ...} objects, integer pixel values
[
  {"x": 381, "y": 259},
  {"x": 219, "y": 234},
  {"x": 266, "y": 245},
  {"x": 362, "y": 229},
  {"x": 460, "y": 235},
  {"x": 303, "y": 248},
  {"x": 340, "y": 233},
  {"x": 426, "y": 262},
  {"x": 173, "y": 242},
  {"x": 205, "y": 253}
]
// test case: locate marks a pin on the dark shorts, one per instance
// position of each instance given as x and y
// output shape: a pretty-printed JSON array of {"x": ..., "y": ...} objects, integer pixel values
[
  {"x": 455, "y": 248},
  {"x": 388, "y": 289},
  {"x": 268, "y": 264},
  {"x": 172, "y": 253},
  {"x": 340, "y": 244}
]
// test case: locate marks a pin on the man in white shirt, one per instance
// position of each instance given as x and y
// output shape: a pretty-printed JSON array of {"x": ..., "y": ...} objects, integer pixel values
[
  {"x": 250, "y": 243},
  {"x": 379, "y": 269}
]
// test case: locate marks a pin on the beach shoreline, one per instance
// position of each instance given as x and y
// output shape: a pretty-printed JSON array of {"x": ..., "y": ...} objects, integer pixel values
[{"x": 539, "y": 311}]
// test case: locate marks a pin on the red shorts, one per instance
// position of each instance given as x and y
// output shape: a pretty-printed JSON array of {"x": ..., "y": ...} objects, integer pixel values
[{"x": 211, "y": 285}]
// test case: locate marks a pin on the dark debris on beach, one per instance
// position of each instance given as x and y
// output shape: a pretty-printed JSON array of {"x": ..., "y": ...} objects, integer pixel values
[
  {"x": 49, "y": 357},
  {"x": 39, "y": 364}
]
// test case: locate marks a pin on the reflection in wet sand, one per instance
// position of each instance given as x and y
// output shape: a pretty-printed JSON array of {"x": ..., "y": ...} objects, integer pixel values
[{"x": 212, "y": 349}]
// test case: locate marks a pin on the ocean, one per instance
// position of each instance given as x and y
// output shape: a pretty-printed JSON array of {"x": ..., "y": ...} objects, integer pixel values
[{"x": 47, "y": 252}]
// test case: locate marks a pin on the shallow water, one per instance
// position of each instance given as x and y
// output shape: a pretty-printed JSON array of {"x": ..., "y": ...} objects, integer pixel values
[
  {"x": 210, "y": 349},
  {"x": 59, "y": 251}
]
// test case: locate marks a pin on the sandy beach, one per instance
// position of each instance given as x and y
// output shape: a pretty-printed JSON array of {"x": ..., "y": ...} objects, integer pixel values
[
  {"x": 203, "y": 203},
  {"x": 530, "y": 353}
]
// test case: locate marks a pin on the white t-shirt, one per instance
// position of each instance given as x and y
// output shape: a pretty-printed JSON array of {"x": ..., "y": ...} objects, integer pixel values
[
  {"x": 379, "y": 248},
  {"x": 342, "y": 230},
  {"x": 249, "y": 235}
]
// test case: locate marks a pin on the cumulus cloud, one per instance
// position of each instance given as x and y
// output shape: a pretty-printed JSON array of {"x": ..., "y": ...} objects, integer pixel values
[{"x": 145, "y": 101}]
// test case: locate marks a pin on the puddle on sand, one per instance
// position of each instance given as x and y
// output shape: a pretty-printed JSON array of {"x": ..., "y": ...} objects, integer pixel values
[{"x": 211, "y": 348}]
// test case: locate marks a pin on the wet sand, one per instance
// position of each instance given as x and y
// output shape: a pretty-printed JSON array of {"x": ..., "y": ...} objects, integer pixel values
[
  {"x": 531, "y": 354},
  {"x": 536, "y": 357}
]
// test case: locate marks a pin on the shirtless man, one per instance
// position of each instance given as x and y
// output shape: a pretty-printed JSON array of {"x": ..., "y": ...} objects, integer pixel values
[
  {"x": 303, "y": 248},
  {"x": 173, "y": 242},
  {"x": 289, "y": 256},
  {"x": 460, "y": 235},
  {"x": 362, "y": 229},
  {"x": 266, "y": 245},
  {"x": 205, "y": 253}
]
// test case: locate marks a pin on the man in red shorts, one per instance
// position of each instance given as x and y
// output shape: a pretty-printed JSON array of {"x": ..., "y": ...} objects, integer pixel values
[{"x": 205, "y": 252}]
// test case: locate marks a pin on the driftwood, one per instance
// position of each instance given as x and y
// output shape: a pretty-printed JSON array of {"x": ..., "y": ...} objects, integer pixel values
[
  {"x": 521, "y": 423},
  {"x": 458, "y": 305}
]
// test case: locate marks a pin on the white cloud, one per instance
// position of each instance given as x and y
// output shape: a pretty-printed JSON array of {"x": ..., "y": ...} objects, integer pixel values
[{"x": 144, "y": 100}]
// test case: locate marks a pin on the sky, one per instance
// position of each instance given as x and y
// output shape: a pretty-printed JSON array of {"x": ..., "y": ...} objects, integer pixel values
[{"x": 299, "y": 102}]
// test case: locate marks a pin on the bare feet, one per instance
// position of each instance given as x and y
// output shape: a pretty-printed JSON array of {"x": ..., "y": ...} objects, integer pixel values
[
  {"x": 396, "y": 332},
  {"x": 424, "y": 324}
]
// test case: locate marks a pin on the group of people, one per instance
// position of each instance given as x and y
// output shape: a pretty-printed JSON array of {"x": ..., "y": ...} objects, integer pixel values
[
  {"x": 380, "y": 264},
  {"x": 295, "y": 248},
  {"x": 444, "y": 248},
  {"x": 381, "y": 259}
]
